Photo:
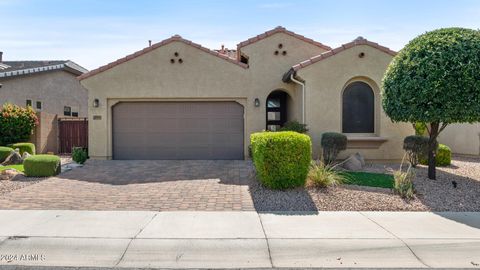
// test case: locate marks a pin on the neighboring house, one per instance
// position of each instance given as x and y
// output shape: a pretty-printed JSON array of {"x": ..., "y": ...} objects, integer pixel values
[
  {"x": 178, "y": 100},
  {"x": 48, "y": 86},
  {"x": 462, "y": 138}
]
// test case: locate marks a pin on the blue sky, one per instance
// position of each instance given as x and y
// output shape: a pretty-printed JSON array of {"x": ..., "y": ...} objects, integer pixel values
[{"x": 95, "y": 32}]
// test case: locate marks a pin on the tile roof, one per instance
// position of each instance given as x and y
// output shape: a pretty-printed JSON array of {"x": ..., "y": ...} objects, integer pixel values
[
  {"x": 155, "y": 46},
  {"x": 17, "y": 68},
  {"x": 327, "y": 54},
  {"x": 280, "y": 29}
]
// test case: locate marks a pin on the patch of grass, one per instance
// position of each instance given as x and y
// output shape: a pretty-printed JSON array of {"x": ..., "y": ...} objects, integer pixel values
[
  {"x": 369, "y": 179},
  {"x": 18, "y": 167}
]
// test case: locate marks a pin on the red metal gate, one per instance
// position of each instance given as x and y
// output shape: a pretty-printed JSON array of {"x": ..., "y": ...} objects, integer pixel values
[{"x": 73, "y": 132}]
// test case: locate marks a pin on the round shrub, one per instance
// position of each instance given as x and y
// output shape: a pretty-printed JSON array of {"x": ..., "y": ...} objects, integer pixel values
[
  {"x": 443, "y": 156},
  {"x": 332, "y": 143},
  {"x": 294, "y": 126},
  {"x": 281, "y": 159},
  {"x": 5, "y": 152},
  {"x": 79, "y": 155},
  {"x": 16, "y": 123},
  {"x": 42, "y": 165},
  {"x": 24, "y": 147}
]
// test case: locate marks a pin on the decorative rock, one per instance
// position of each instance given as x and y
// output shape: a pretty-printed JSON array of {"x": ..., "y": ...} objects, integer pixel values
[
  {"x": 25, "y": 155},
  {"x": 360, "y": 158},
  {"x": 8, "y": 174},
  {"x": 13, "y": 159},
  {"x": 352, "y": 163}
]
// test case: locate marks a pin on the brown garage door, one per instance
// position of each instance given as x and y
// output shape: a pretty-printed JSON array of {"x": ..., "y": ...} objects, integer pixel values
[{"x": 177, "y": 130}]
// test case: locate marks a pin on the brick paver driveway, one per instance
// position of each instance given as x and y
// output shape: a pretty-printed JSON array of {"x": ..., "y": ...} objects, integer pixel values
[{"x": 141, "y": 185}]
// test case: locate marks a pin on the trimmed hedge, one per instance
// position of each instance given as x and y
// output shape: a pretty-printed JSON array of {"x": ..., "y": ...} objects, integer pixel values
[
  {"x": 416, "y": 146},
  {"x": 443, "y": 156},
  {"x": 79, "y": 155},
  {"x": 4, "y": 153},
  {"x": 282, "y": 159},
  {"x": 24, "y": 147},
  {"x": 42, "y": 165}
]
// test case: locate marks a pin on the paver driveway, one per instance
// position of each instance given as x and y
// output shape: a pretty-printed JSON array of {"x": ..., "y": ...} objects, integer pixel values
[{"x": 141, "y": 185}]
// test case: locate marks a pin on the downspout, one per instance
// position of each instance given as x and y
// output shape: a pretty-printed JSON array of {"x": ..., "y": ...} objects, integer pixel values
[{"x": 292, "y": 77}]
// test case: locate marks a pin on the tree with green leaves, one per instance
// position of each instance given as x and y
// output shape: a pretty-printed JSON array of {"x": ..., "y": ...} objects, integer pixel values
[{"x": 435, "y": 80}]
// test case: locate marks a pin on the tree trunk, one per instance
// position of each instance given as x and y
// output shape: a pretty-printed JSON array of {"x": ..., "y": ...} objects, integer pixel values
[{"x": 432, "y": 149}]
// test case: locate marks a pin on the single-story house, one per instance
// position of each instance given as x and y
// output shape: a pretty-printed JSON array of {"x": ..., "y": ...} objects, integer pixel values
[
  {"x": 47, "y": 86},
  {"x": 178, "y": 100}
]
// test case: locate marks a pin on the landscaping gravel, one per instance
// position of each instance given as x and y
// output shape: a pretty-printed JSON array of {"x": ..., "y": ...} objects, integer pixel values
[
  {"x": 20, "y": 181},
  {"x": 431, "y": 195}
]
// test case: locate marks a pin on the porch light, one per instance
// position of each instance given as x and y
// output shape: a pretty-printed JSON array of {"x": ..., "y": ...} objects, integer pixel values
[
  {"x": 96, "y": 103},
  {"x": 257, "y": 102}
]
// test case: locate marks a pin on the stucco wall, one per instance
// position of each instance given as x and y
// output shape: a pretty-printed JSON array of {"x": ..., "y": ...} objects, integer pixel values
[
  {"x": 462, "y": 138},
  {"x": 203, "y": 76},
  {"x": 325, "y": 82},
  {"x": 55, "y": 89}
]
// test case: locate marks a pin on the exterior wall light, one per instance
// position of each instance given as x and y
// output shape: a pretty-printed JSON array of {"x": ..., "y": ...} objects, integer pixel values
[
  {"x": 96, "y": 103},
  {"x": 257, "y": 102}
]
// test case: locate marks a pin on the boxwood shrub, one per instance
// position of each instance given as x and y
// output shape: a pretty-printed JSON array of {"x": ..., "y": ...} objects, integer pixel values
[
  {"x": 4, "y": 153},
  {"x": 443, "y": 156},
  {"x": 24, "y": 147},
  {"x": 281, "y": 159},
  {"x": 42, "y": 165},
  {"x": 332, "y": 143}
]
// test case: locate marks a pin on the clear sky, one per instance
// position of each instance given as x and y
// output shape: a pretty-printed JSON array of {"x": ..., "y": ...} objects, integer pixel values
[{"x": 95, "y": 32}]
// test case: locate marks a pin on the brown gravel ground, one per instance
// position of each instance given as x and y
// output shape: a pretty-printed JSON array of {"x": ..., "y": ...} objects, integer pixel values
[
  {"x": 20, "y": 181},
  {"x": 431, "y": 195}
]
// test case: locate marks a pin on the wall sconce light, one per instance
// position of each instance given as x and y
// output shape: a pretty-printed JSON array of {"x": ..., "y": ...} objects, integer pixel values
[
  {"x": 257, "y": 102},
  {"x": 96, "y": 103}
]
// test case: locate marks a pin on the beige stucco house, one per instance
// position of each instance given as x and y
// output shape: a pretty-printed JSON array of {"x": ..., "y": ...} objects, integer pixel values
[
  {"x": 47, "y": 86},
  {"x": 178, "y": 100}
]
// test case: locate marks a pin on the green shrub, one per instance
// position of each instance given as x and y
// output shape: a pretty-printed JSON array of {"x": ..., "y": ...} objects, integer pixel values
[
  {"x": 281, "y": 159},
  {"x": 415, "y": 146},
  {"x": 42, "y": 165},
  {"x": 79, "y": 155},
  {"x": 5, "y": 152},
  {"x": 322, "y": 175},
  {"x": 16, "y": 123},
  {"x": 24, "y": 147},
  {"x": 420, "y": 128},
  {"x": 294, "y": 126},
  {"x": 443, "y": 156},
  {"x": 332, "y": 143},
  {"x": 404, "y": 183}
]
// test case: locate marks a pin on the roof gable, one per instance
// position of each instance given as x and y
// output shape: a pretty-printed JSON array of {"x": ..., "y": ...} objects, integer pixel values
[
  {"x": 175, "y": 38},
  {"x": 327, "y": 54},
  {"x": 280, "y": 29}
]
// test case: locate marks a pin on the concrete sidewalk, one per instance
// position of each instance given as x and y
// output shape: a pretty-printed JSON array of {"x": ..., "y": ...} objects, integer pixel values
[{"x": 239, "y": 239}]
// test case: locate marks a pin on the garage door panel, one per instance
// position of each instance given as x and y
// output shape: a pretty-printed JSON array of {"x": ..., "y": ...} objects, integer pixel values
[{"x": 178, "y": 130}]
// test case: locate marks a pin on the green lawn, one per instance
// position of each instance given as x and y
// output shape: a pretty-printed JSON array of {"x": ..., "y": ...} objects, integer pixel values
[
  {"x": 369, "y": 179},
  {"x": 16, "y": 167}
]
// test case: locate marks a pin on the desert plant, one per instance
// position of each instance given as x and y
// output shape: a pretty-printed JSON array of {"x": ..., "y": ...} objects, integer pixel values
[
  {"x": 281, "y": 159},
  {"x": 403, "y": 184},
  {"x": 323, "y": 175},
  {"x": 415, "y": 146},
  {"x": 16, "y": 123},
  {"x": 5, "y": 152},
  {"x": 435, "y": 80},
  {"x": 332, "y": 143},
  {"x": 42, "y": 165},
  {"x": 443, "y": 156},
  {"x": 294, "y": 126},
  {"x": 24, "y": 147},
  {"x": 79, "y": 155}
]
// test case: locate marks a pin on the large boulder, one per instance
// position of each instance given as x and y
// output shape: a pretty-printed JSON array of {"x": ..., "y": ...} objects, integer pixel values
[
  {"x": 13, "y": 159},
  {"x": 354, "y": 162}
]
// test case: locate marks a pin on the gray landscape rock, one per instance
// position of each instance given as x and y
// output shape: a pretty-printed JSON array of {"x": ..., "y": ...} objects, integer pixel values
[
  {"x": 352, "y": 163},
  {"x": 360, "y": 158},
  {"x": 13, "y": 159},
  {"x": 25, "y": 155}
]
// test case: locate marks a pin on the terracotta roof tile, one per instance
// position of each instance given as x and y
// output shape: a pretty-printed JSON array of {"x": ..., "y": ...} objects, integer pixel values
[
  {"x": 357, "y": 41},
  {"x": 153, "y": 47},
  {"x": 280, "y": 29}
]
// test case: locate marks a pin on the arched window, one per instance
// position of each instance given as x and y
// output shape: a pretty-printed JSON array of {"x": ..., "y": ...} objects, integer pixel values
[{"x": 358, "y": 109}]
